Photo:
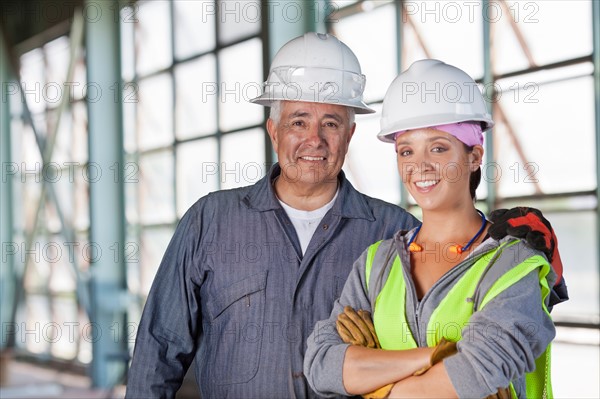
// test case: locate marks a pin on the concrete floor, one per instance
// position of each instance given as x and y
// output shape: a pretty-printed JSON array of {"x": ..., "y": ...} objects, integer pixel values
[
  {"x": 32, "y": 381},
  {"x": 575, "y": 370}
]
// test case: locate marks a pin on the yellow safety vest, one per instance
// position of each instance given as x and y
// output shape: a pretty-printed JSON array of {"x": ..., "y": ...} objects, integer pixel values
[{"x": 454, "y": 311}]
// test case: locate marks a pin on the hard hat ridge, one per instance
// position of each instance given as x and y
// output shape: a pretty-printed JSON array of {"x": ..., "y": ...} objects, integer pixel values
[{"x": 315, "y": 67}]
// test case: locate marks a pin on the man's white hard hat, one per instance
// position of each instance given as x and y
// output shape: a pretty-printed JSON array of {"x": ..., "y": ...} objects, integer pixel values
[
  {"x": 431, "y": 93},
  {"x": 315, "y": 67}
]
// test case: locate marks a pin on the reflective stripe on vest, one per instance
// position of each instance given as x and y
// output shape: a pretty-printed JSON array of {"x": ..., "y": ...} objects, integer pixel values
[{"x": 454, "y": 311}]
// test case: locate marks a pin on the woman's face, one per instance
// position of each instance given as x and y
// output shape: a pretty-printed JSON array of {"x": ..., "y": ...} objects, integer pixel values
[{"x": 435, "y": 168}]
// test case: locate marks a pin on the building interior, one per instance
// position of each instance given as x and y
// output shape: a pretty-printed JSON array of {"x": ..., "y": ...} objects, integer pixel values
[{"x": 116, "y": 116}]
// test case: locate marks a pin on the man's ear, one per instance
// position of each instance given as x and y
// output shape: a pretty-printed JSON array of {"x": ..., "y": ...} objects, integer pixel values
[
  {"x": 475, "y": 158},
  {"x": 352, "y": 129},
  {"x": 272, "y": 131}
]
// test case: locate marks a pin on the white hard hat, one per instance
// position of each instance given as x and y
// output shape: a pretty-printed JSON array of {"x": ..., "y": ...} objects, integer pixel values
[
  {"x": 315, "y": 67},
  {"x": 431, "y": 93}
]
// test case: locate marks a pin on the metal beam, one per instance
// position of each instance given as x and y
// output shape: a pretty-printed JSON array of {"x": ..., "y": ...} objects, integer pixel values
[
  {"x": 283, "y": 21},
  {"x": 488, "y": 79},
  {"x": 400, "y": 11},
  {"x": 596, "y": 56},
  {"x": 107, "y": 203},
  {"x": 7, "y": 265}
]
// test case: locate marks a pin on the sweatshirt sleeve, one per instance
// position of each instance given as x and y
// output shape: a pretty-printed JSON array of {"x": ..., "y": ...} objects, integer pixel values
[
  {"x": 324, "y": 358},
  {"x": 169, "y": 327},
  {"x": 501, "y": 341}
]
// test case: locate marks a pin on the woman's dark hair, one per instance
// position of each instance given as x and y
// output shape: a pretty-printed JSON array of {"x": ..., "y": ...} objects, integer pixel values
[{"x": 475, "y": 177}]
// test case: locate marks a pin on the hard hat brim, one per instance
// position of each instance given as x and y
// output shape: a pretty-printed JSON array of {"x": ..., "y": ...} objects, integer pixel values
[
  {"x": 387, "y": 135},
  {"x": 359, "y": 106}
]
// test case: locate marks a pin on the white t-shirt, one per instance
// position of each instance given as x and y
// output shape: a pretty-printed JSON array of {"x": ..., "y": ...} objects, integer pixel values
[{"x": 306, "y": 222}]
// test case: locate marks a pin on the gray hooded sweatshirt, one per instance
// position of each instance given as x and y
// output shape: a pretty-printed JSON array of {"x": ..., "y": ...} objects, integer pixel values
[{"x": 500, "y": 342}]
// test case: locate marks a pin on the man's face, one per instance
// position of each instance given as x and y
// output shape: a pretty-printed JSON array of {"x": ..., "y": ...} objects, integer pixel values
[{"x": 311, "y": 141}]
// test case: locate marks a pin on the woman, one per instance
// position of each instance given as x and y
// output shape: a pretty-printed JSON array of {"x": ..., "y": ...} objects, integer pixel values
[{"x": 459, "y": 314}]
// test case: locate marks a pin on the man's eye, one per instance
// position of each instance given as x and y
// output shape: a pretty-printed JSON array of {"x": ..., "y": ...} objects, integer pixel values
[
  {"x": 297, "y": 123},
  {"x": 331, "y": 125}
]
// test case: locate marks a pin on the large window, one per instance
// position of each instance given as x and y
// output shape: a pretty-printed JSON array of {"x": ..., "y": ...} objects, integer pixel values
[
  {"x": 50, "y": 205},
  {"x": 190, "y": 67}
]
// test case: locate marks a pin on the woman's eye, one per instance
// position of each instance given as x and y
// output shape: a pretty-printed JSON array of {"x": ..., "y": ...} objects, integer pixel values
[
  {"x": 438, "y": 149},
  {"x": 404, "y": 153}
]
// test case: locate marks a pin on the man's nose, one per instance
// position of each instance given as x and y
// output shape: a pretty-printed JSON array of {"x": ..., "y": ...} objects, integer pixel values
[{"x": 314, "y": 134}]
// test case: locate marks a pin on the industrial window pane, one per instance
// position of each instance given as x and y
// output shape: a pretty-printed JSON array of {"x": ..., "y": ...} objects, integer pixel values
[
  {"x": 371, "y": 164},
  {"x": 62, "y": 179},
  {"x": 36, "y": 315},
  {"x": 40, "y": 122},
  {"x": 62, "y": 278},
  {"x": 33, "y": 80},
  {"x": 79, "y": 79},
  {"x": 57, "y": 64},
  {"x": 242, "y": 158},
  {"x": 195, "y": 27},
  {"x": 129, "y": 130},
  {"x": 62, "y": 333},
  {"x": 344, "y": 3},
  {"x": 81, "y": 221},
  {"x": 449, "y": 31},
  {"x": 380, "y": 70},
  {"x": 85, "y": 331},
  {"x": 238, "y": 19},
  {"x": 156, "y": 188},
  {"x": 155, "y": 112},
  {"x": 578, "y": 243},
  {"x": 153, "y": 36},
  {"x": 196, "y": 97},
  {"x": 553, "y": 160},
  {"x": 84, "y": 250},
  {"x": 240, "y": 68},
  {"x": 197, "y": 172},
  {"x": 154, "y": 244},
  {"x": 133, "y": 262},
  {"x": 63, "y": 147},
  {"x": 79, "y": 146},
  {"x": 131, "y": 193},
  {"x": 537, "y": 22},
  {"x": 51, "y": 219},
  {"x": 127, "y": 43},
  {"x": 30, "y": 177}
]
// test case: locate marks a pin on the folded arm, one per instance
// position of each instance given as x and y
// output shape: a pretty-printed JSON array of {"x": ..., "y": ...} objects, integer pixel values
[
  {"x": 367, "y": 369},
  {"x": 435, "y": 383}
]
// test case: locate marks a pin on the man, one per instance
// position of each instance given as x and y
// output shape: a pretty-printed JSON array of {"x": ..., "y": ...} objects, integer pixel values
[{"x": 250, "y": 271}]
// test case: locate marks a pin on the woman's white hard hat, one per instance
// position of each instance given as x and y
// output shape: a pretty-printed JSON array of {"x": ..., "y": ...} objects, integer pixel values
[{"x": 431, "y": 93}]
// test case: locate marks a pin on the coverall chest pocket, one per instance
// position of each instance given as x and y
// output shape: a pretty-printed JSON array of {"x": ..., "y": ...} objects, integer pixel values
[{"x": 236, "y": 324}]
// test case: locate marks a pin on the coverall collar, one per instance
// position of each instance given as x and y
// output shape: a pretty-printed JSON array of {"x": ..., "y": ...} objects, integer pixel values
[{"x": 349, "y": 204}]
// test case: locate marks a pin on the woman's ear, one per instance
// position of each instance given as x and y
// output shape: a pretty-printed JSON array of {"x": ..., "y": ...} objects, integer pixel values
[{"x": 475, "y": 158}]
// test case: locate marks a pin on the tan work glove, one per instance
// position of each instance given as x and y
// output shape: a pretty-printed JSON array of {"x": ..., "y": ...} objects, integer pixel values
[
  {"x": 357, "y": 328},
  {"x": 503, "y": 393},
  {"x": 443, "y": 350}
]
